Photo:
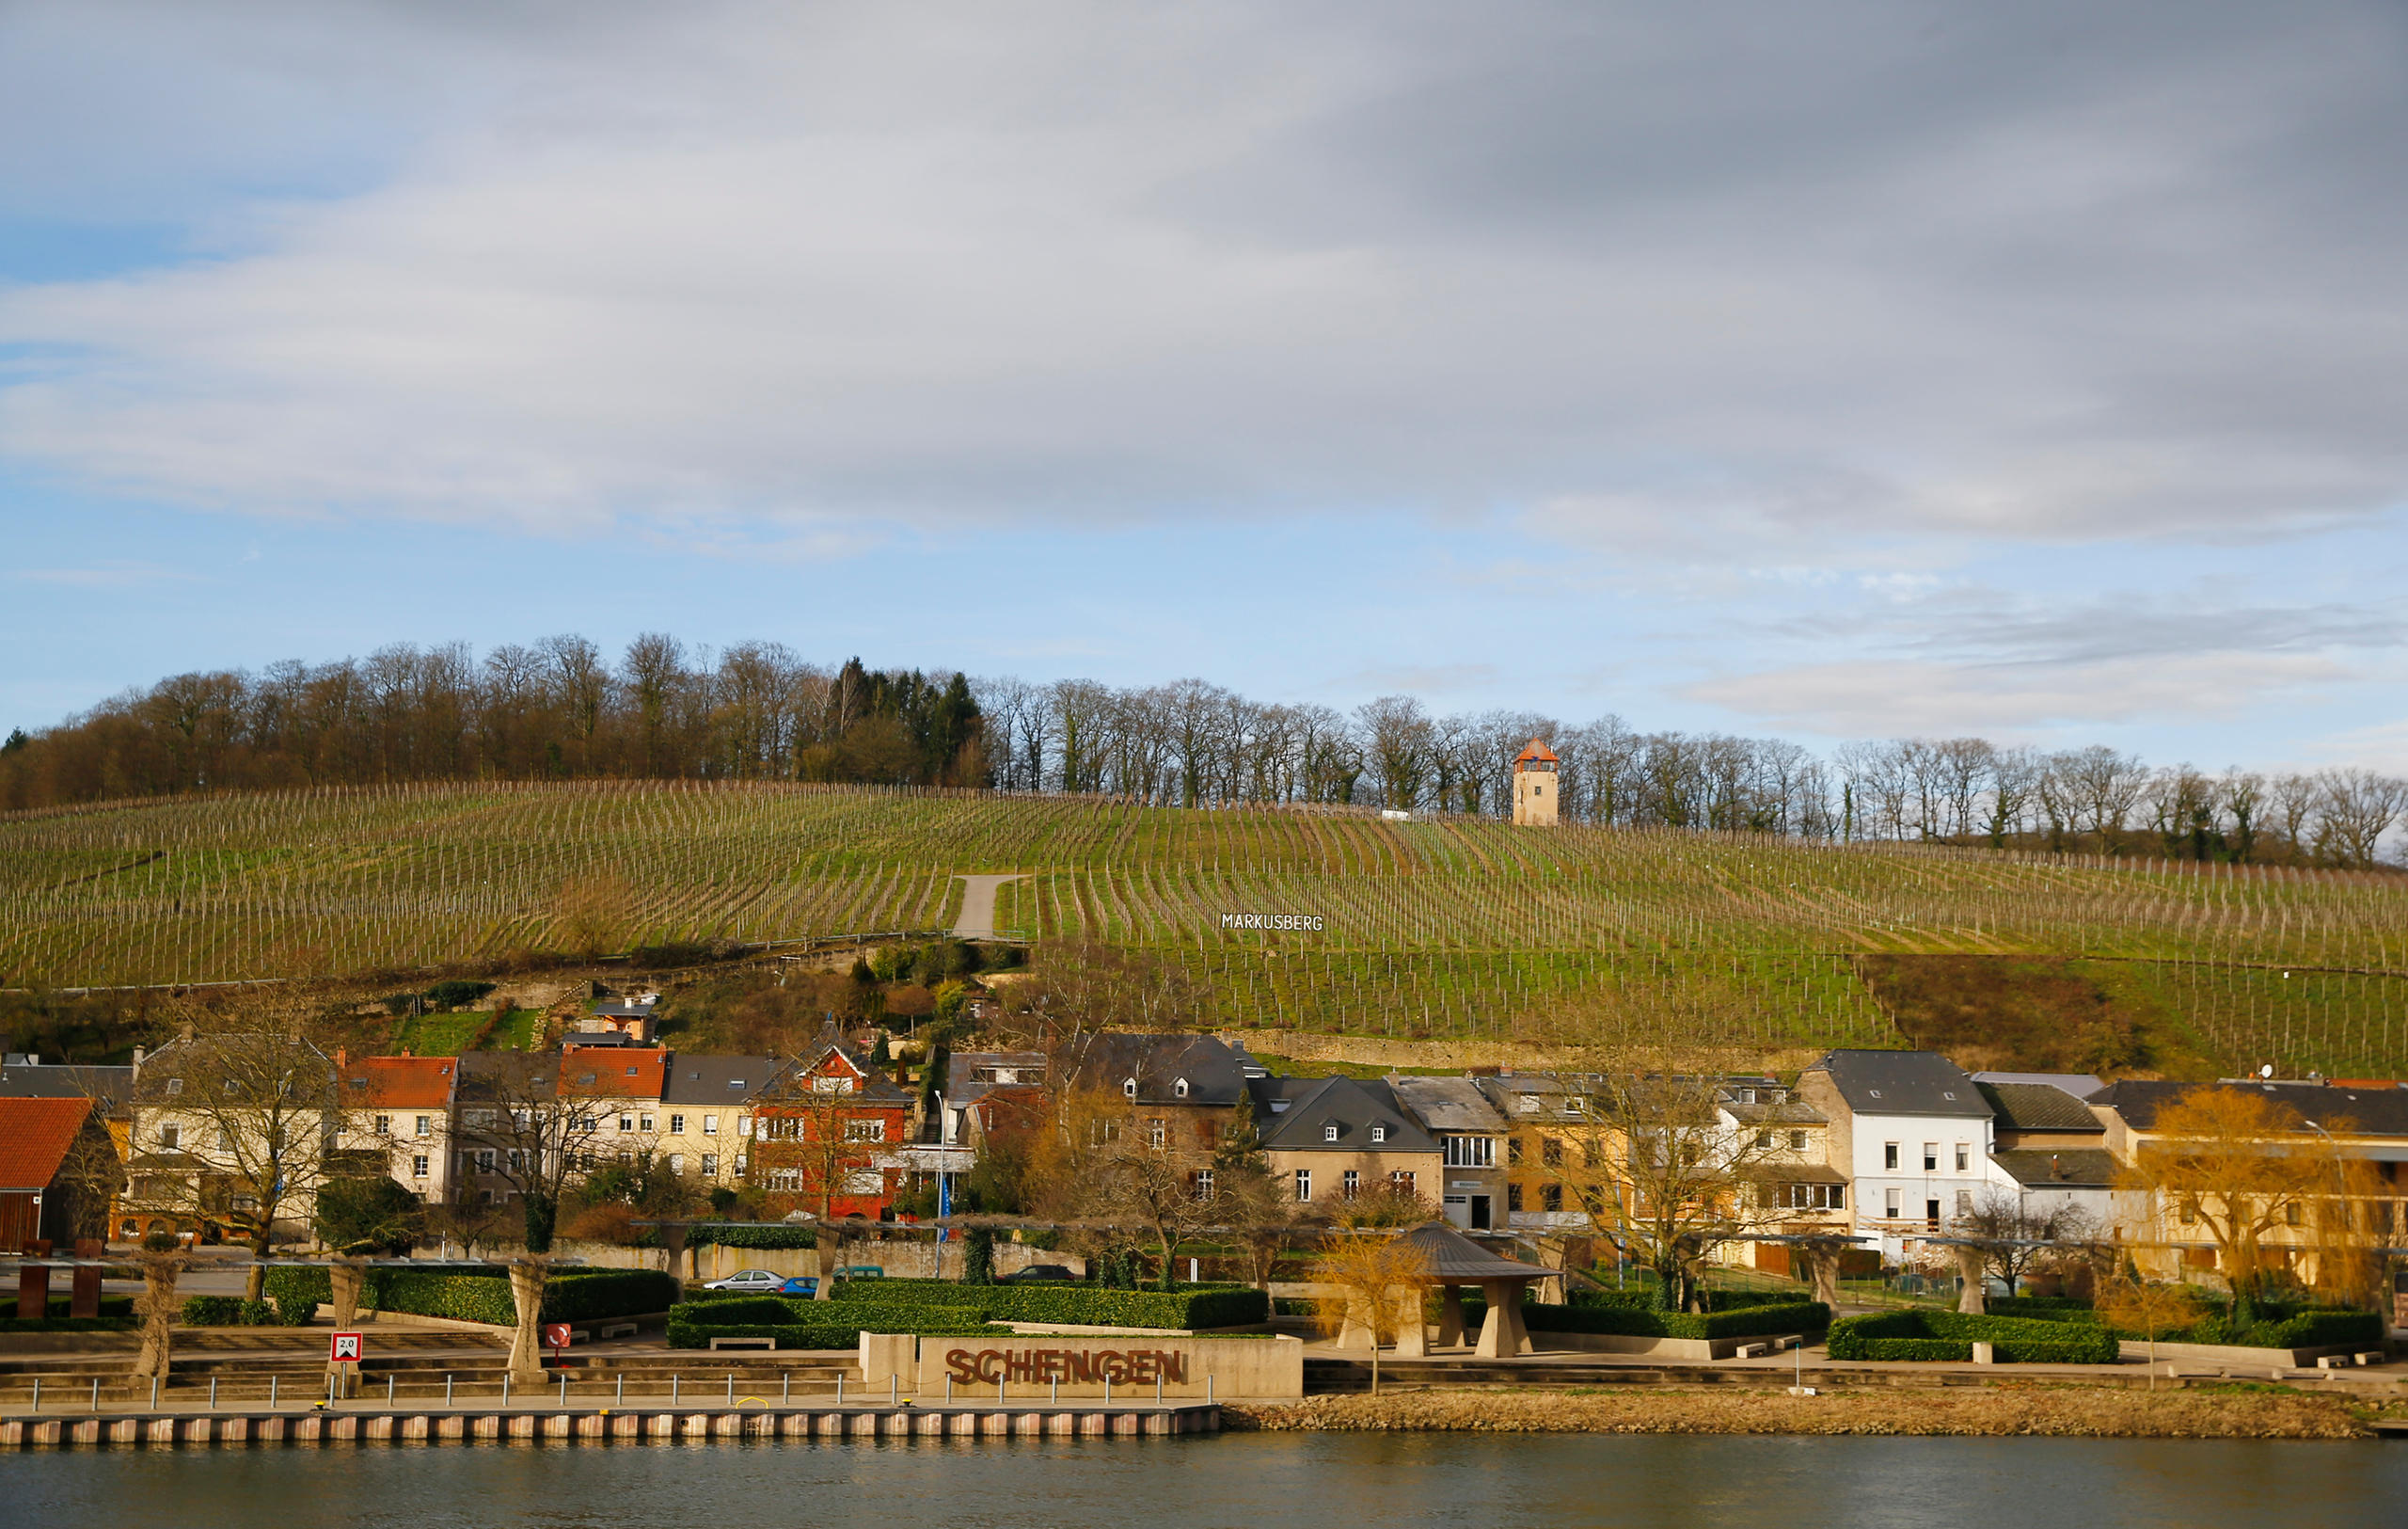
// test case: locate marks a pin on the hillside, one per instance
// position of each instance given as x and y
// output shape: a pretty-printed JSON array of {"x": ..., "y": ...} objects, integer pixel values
[{"x": 1452, "y": 927}]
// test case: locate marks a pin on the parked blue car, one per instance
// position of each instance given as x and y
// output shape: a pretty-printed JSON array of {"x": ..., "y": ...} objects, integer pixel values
[{"x": 800, "y": 1284}]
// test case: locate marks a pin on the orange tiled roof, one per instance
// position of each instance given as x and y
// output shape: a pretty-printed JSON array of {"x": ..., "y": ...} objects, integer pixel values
[
  {"x": 614, "y": 1072},
  {"x": 1536, "y": 749},
  {"x": 35, "y": 1135},
  {"x": 400, "y": 1082}
]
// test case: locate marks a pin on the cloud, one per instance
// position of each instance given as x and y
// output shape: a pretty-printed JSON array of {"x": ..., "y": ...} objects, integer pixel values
[{"x": 1850, "y": 281}]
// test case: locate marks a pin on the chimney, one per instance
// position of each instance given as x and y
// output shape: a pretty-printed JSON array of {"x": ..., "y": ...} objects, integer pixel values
[
  {"x": 341, "y": 1057},
  {"x": 137, "y": 1057},
  {"x": 2056, "y": 1170}
]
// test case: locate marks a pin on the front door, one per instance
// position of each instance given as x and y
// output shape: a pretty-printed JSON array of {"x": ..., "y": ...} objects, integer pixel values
[{"x": 1479, "y": 1213}]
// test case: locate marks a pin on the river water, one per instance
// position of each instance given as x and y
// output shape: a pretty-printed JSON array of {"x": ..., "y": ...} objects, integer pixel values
[{"x": 1262, "y": 1481}]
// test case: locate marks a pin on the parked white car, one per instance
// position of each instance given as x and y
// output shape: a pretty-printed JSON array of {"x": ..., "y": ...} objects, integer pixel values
[{"x": 759, "y": 1281}]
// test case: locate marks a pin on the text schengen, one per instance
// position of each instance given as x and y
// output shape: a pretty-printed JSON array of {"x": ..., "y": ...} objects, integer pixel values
[
  {"x": 970, "y": 1366},
  {"x": 1307, "y": 921}
]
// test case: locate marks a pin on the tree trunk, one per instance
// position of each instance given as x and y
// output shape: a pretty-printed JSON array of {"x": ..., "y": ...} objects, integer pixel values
[
  {"x": 527, "y": 1279},
  {"x": 828, "y": 1249},
  {"x": 255, "y": 1277},
  {"x": 156, "y": 1306}
]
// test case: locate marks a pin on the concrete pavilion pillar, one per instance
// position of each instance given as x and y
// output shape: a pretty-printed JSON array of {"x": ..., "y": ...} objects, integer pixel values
[
  {"x": 1502, "y": 1334},
  {"x": 1411, "y": 1333},
  {"x": 1450, "y": 1316},
  {"x": 1973, "y": 1300}
]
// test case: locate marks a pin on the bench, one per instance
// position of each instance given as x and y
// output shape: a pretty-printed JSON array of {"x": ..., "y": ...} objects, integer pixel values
[
  {"x": 717, "y": 1343},
  {"x": 1754, "y": 1350},
  {"x": 2372, "y": 1356},
  {"x": 618, "y": 1329}
]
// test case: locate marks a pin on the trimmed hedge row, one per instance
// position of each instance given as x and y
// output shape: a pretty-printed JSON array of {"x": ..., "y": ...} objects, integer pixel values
[
  {"x": 1951, "y": 1335},
  {"x": 2319, "y": 1329},
  {"x": 579, "y": 1297},
  {"x": 809, "y": 1324},
  {"x": 1198, "y": 1306},
  {"x": 2314, "y": 1326},
  {"x": 232, "y": 1312},
  {"x": 117, "y": 1313},
  {"x": 1648, "y": 1322}
]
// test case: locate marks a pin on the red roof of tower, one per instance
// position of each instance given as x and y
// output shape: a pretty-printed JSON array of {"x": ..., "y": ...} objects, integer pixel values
[{"x": 1535, "y": 750}]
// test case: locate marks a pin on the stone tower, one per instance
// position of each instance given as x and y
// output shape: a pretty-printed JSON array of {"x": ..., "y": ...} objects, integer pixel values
[{"x": 1535, "y": 786}]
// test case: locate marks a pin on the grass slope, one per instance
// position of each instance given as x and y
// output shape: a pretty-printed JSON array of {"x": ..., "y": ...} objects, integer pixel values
[{"x": 1439, "y": 928}]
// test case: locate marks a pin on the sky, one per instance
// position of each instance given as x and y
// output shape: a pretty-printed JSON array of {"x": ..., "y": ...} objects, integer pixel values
[{"x": 1852, "y": 370}]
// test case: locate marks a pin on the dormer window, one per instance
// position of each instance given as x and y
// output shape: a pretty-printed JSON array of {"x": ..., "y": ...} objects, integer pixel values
[
  {"x": 1329, "y": 1132},
  {"x": 175, "y": 1085},
  {"x": 1179, "y": 1090},
  {"x": 1747, "y": 1096},
  {"x": 1379, "y": 1133},
  {"x": 1128, "y": 1088}
]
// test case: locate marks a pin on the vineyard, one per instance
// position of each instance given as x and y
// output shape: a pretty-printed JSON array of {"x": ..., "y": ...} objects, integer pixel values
[{"x": 1441, "y": 927}]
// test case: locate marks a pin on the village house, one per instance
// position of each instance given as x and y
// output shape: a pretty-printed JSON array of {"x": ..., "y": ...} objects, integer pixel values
[
  {"x": 25, "y": 1075},
  {"x": 706, "y": 1117},
  {"x": 231, "y": 1131},
  {"x": 1911, "y": 1133},
  {"x": 1329, "y": 1139},
  {"x": 1792, "y": 1188},
  {"x": 828, "y": 1135},
  {"x": 1178, "y": 1092},
  {"x": 59, "y": 1169},
  {"x": 2051, "y": 1148},
  {"x": 398, "y": 1110},
  {"x": 1546, "y": 1117},
  {"x": 2367, "y": 1122},
  {"x": 1472, "y": 1136}
]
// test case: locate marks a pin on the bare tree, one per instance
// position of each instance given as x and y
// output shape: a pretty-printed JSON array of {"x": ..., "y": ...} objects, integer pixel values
[
  {"x": 2358, "y": 808},
  {"x": 2014, "y": 1234},
  {"x": 519, "y": 1130}
]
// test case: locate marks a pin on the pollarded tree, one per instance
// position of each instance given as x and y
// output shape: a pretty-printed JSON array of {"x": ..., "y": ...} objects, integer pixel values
[{"x": 525, "y": 1142}]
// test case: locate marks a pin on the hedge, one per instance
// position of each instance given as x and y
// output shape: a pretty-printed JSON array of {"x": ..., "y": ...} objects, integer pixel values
[
  {"x": 1648, "y": 1322},
  {"x": 2042, "y": 1308},
  {"x": 578, "y": 1296},
  {"x": 1951, "y": 1335},
  {"x": 117, "y": 1313},
  {"x": 1198, "y": 1306},
  {"x": 228, "y": 1312},
  {"x": 809, "y": 1324}
]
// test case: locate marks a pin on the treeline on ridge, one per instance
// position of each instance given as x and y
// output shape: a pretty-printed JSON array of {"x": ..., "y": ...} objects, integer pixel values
[{"x": 558, "y": 709}]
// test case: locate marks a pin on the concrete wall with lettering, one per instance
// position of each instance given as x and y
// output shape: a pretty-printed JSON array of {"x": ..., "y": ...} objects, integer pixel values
[{"x": 1031, "y": 1366}]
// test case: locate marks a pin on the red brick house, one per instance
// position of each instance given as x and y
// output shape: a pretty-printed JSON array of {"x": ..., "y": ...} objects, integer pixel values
[{"x": 828, "y": 1138}]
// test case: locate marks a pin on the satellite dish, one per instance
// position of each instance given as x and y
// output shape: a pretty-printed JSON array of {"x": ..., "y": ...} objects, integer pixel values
[{"x": 2267, "y": 1071}]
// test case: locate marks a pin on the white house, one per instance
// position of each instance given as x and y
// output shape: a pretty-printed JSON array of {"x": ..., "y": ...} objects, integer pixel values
[{"x": 1913, "y": 1134}]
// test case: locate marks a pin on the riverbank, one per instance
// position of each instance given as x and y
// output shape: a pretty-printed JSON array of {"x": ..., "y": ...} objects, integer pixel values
[{"x": 2004, "y": 1410}]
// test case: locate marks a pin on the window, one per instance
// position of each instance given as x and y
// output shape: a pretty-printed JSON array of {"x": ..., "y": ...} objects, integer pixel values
[
  {"x": 1178, "y": 1089},
  {"x": 171, "y": 1136},
  {"x": 1157, "y": 1132},
  {"x": 2291, "y": 1213},
  {"x": 488, "y": 1197},
  {"x": 1401, "y": 1181},
  {"x": 1763, "y": 1140},
  {"x": 2190, "y": 1213},
  {"x": 1304, "y": 1183},
  {"x": 864, "y": 1181},
  {"x": 1889, "y": 1154},
  {"x": 1931, "y": 1156},
  {"x": 864, "y": 1130},
  {"x": 384, "y": 1125},
  {"x": 1747, "y": 1096},
  {"x": 710, "y": 1164},
  {"x": 1811, "y": 1196},
  {"x": 1513, "y": 1197},
  {"x": 1471, "y": 1152},
  {"x": 677, "y": 1125},
  {"x": 710, "y": 1125},
  {"x": 1551, "y": 1197},
  {"x": 1513, "y": 1148},
  {"x": 627, "y": 1122},
  {"x": 1890, "y": 1204},
  {"x": 1128, "y": 1088},
  {"x": 417, "y": 1166},
  {"x": 518, "y": 1160},
  {"x": 1329, "y": 1132},
  {"x": 1202, "y": 1182},
  {"x": 1349, "y": 1183},
  {"x": 677, "y": 1163},
  {"x": 1379, "y": 1133},
  {"x": 1964, "y": 1202},
  {"x": 1798, "y": 1141},
  {"x": 175, "y": 1085},
  {"x": 646, "y": 1121},
  {"x": 484, "y": 1165},
  {"x": 1551, "y": 1153},
  {"x": 832, "y": 1085},
  {"x": 424, "y": 1125},
  {"x": 1963, "y": 1156}
]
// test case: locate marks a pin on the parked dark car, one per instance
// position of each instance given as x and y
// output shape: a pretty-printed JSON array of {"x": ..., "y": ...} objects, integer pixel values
[{"x": 1039, "y": 1274}]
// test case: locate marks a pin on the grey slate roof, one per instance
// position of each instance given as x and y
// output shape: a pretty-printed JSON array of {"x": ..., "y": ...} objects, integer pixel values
[
  {"x": 113, "y": 1087},
  {"x": 1215, "y": 1070},
  {"x": 1453, "y": 1105},
  {"x": 1902, "y": 1083},
  {"x": 1353, "y": 1104},
  {"x": 697, "y": 1078},
  {"x": 2079, "y": 1168},
  {"x": 2374, "y": 1112},
  {"x": 2080, "y": 1085},
  {"x": 2039, "y": 1107}
]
